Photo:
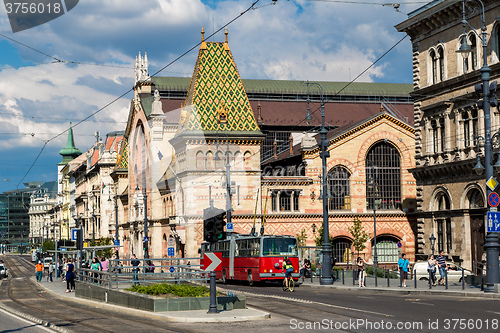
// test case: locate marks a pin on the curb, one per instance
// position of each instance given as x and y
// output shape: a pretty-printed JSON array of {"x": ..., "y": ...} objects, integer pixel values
[
  {"x": 409, "y": 291},
  {"x": 229, "y": 317}
]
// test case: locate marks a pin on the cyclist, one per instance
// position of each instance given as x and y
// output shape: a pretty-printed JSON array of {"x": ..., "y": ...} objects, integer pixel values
[{"x": 287, "y": 268}]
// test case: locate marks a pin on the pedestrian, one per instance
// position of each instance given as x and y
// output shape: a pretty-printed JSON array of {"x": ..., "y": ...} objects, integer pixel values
[
  {"x": 51, "y": 271},
  {"x": 39, "y": 271},
  {"x": 441, "y": 263},
  {"x": 104, "y": 264},
  {"x": 135, "y": 270},
  {"x": 96, "y": 267},
  {"x": 403, "y": 265},
  {"x": 360, "y": 263},
  {"x": 431, "y": 268},
  {"x": 70, "y": 276}
]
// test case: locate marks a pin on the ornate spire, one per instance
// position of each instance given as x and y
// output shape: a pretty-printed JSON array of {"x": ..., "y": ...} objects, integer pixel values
[
  {"x": 225, "y": 33},
  {"x": 202, "y": 34},
  {"x": 70, "y": 152}
]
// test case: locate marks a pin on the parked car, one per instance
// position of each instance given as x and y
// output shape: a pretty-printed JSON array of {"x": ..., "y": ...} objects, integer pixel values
[
  {"x": 47, "y": 261},
  {"x": 454, "y": 271},
  {"x": 4, "y": 272}
]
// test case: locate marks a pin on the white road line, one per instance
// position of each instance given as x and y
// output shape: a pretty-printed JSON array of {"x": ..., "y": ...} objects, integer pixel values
[
  {"x": 498, "y": 313},
  {"x": 312, "y": 302},
  {"x": 26, "y": 321},
  {"x": 422, "y": 303}
]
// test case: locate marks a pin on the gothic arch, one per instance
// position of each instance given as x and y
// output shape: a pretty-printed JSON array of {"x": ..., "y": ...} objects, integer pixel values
[
  {"x": 404, "y": 151},
  {"x": 473, "y": 197},
  {"x": 440, "y": 192}
]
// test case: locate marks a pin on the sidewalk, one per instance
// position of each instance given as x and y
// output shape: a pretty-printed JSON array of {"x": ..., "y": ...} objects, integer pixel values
[
  {"x": 58, "y": 288},
  {"x": 454, "y": 289}
]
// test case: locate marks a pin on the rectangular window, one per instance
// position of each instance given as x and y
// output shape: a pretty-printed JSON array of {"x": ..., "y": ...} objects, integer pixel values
[
  {"x": 285, "y": 201},
  {"x": 440, "y": 236},
  {"x": 274, "y": 196},
  {"x": 296, "y": 196},
  {"x": 448, "y": 236}
]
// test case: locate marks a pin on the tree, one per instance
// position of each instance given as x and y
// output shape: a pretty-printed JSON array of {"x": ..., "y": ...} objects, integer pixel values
[
  {"x": 359, "y": 235},
  {"x": 301, "y": 239},
  {"x": 319, "y": 240}
]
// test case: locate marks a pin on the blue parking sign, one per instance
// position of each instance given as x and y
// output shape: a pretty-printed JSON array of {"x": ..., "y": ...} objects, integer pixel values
[
  {"x": 229, "y": 227},
  {"x": 170, "y": 251},
  {"x": 492, "y": 222},
  {"x": 171, "y": 269},
  {"x": 73, "y": 234}
]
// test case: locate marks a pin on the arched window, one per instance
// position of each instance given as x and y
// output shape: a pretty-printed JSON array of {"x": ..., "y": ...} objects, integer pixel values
[
  {"x": 383, "y": 177},
  {"x": 387, "y": 248},
  {"x": 475, "y": 199},
  {"x": 466, "y": 121},
  {"x": 209, "y": 161},
  {"x": 443, "y": 222},
  {"x": 219, "y": 161},
  {"x": 339, "y": 188},
  {"x": 200, "y": 163},
  {"x": 434, "y": 66},
  {"x": 341, "y": 248},
  {"x": 473, "y": 55},
  {"x": 238, "y": 162},
  {"x": 442, "y": 202},
  {"x": 441, "y": 63}
]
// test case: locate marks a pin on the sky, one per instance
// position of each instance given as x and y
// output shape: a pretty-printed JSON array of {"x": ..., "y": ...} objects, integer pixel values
[{"x": 81, "y": 62}]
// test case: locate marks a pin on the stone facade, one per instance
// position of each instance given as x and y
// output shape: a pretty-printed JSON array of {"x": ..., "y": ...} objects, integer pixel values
[{"x": 449, "y": 125}]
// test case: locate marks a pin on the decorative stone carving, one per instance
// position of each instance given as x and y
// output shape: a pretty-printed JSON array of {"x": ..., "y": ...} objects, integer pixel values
[{"x": 157, "y": 109}]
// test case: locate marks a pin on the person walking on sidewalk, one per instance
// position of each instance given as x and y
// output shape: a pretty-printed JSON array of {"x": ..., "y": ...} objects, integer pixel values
[
  {"x": 360, "y": 263},
  {"x": 39, "y": 271},
  {"x": 403, "y": 265},
  {"x": 51, "y": 271},
  {"x": 441, "y": 264},
  {"x": 70, "y": 276},
  {"x": 431, "y": 268}
]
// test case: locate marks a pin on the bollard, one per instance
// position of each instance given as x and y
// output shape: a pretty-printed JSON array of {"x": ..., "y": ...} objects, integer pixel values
[
  {"x": 446, "y": 280},
  {"x": 415, "y": 278},
  {"x": 343, "y": 282},
  {"x": 463, "y": 280},
  {"x": 213, "y": 298},
  {"x": 430, "y": 280},
  {"x": 353, "y": 278},
  {"x": 482, "y": 286},
  {"x": 376, "y": 275},
  {"x": 400, "y": 278},
  {"x": 388, "y": 279}
]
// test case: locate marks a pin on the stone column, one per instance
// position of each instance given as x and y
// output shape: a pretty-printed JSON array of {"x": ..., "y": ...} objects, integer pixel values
[
  {"x": 460, "y": 139},
  {"x": 480, "y": 122},
  {"x": 439, "y": 129},
  {"x": 471, "y": 130},
  {"x": 428, "y": 136}
]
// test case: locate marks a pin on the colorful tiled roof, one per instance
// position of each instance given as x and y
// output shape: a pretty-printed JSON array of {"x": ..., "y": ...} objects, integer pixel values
[
  {"x": 216, "y": 99},
  {"x": 122, "y": 160}
]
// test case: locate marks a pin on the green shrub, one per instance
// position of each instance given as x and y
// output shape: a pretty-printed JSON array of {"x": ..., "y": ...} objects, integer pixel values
[{"x": 182, "y": 290}]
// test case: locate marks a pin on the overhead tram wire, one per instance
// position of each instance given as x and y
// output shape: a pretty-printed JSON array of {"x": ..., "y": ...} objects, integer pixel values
[{"x": 122, "y": 95}]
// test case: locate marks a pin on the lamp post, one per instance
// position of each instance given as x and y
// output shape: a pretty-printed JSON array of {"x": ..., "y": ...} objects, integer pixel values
[
  {"x": 491, "y": 245},
  {"x": 146, "y": 238},
  {"x": 117, "y": 239},
  {"x": 433, "y": 241},
  {"x": 375, "y": 257},
  {"x": 326, "y": 274}
]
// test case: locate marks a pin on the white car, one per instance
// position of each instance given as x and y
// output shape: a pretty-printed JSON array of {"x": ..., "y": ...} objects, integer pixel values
[
  {"x": 4, "y": 272},
  {"x": 454, "y": 272}
]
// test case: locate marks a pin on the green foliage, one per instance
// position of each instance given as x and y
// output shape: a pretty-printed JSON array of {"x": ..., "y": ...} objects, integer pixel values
[
  {"x": 101, "y": 242},
  {"x": 359, "y": 235},
  {"x": 382, "y": 273},
  {"x": 48, "y": 245},
  {"x": 319, "y": 240},
  {"x": 182, "y": 290},
  {"x": 302, "y": 237}
]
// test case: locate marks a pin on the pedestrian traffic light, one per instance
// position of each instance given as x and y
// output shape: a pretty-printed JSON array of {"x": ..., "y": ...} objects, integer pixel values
[{"x": 145, "y": 246}]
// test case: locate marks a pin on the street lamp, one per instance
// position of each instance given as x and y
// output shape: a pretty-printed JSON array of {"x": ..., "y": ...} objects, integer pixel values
[
  {"x": 433, "y": 241},
  {"x": 375, "y": 257},
  {"x": 491, "y": 245},
  {"x": 326, "y": 274},
  {"x": 146, "y": 239}
]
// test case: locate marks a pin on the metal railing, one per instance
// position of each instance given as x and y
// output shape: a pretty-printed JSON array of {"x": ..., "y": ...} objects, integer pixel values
[{"x": 121, "y": 272}]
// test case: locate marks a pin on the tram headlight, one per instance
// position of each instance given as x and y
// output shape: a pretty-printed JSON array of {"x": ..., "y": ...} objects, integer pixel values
[{"x": 277, "y": 266}]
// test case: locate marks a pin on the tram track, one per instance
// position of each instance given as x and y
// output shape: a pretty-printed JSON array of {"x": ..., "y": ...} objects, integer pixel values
[{"x": 23, "y": 297}]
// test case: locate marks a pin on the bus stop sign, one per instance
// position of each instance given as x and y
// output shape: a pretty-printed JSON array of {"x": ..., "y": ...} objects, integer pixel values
[{"x": 212, "y": 261}]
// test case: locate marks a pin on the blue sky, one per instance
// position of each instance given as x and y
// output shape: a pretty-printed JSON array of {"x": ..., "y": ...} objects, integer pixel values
[{"x": 296, "y": 40}]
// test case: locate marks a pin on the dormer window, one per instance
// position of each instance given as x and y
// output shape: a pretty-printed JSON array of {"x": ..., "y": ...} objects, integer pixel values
[{"x": 222, "y": 113}]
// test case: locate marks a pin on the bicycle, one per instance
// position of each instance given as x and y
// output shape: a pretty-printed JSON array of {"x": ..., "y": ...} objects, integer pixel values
[{"x": 290, "y": 285}]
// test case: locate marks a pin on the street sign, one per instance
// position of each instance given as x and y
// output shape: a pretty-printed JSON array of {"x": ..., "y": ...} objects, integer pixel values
[
  {"x": 212, "y": 261},
  {"x": 117, "y": 248},
  {"x": 492, "y": 183},
  {"x": 73, "y": 234},
  {"x": 229, "y": 227},
  {"x": 399, "y": 244},
  {"x": 62, "y": 249},
  {"x": 492, "y": 222},
  {"x": 171, "y": 241},
  {"x": 171, "y": 269},
  {"x": 170, "y": 251},
  {"x": 493, "y": 199},
  {"x": 117, "y": 242},
  {"x": 146, "y": 239},
  {"x": 85, "y": 244}
]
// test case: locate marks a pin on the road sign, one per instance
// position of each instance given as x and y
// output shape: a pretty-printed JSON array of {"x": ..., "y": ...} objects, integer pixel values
[
  {"x": 146, "y": 239},
  {"x": 73, "y": 234},
  {"x": 62, "y": 249},
  {"x": 492, "y": 183},
  {"x": 171, "y": 269},
  {"x": 170, "y": 251},
  {"x": 399, "y": 244},
  {"x": 493, "y": 199},
  {"x": 492, "y": 222},
  {"x": 85, "y": 244},
  {"x": 229, "y": 227},
  {"x": 171, "y": 241},
  {"x": 117, "y": 242},
  {"x": 117, "y": 248},
  {"x": 212, "y": 261}
]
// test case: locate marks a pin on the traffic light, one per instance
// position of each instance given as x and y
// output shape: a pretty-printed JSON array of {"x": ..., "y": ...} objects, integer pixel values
[
  {"x": 79, "y": 239},
  {"x": 145, "y": 246},
  {"x": 492, "y": 98},
  {"x": 220, "y": 234},
  {"x": 213, "y": 225}
]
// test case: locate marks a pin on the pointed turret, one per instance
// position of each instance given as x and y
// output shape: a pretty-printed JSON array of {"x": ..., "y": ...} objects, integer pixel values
[{"x": 70, "y": 152}]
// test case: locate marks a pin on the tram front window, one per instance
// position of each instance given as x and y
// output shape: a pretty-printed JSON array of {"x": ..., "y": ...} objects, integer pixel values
[{"x": 279, "y": 247}]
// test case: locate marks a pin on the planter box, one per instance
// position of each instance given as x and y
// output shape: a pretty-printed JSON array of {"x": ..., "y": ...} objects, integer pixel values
[{"x": 154, "y": 303}]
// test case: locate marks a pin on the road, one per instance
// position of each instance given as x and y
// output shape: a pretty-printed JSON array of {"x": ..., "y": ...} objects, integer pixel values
[
  {"x": 311, "y": 309},
  {"x": 12, "y": 323}
]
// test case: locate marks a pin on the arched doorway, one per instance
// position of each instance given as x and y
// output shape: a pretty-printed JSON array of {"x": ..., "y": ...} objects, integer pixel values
[
  {"x": 387, "y": 249},
  {"x": 477, "y": 227}
]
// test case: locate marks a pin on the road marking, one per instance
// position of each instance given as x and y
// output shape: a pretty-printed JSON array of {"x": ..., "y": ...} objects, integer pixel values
[
  {"x": 498, "y": 313},
  {"x": 26, "y": 320},
  {"x": 312, "y": 302},
  {"x": 423, "y": 303},
  {"x": 366, "y": 297}
]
